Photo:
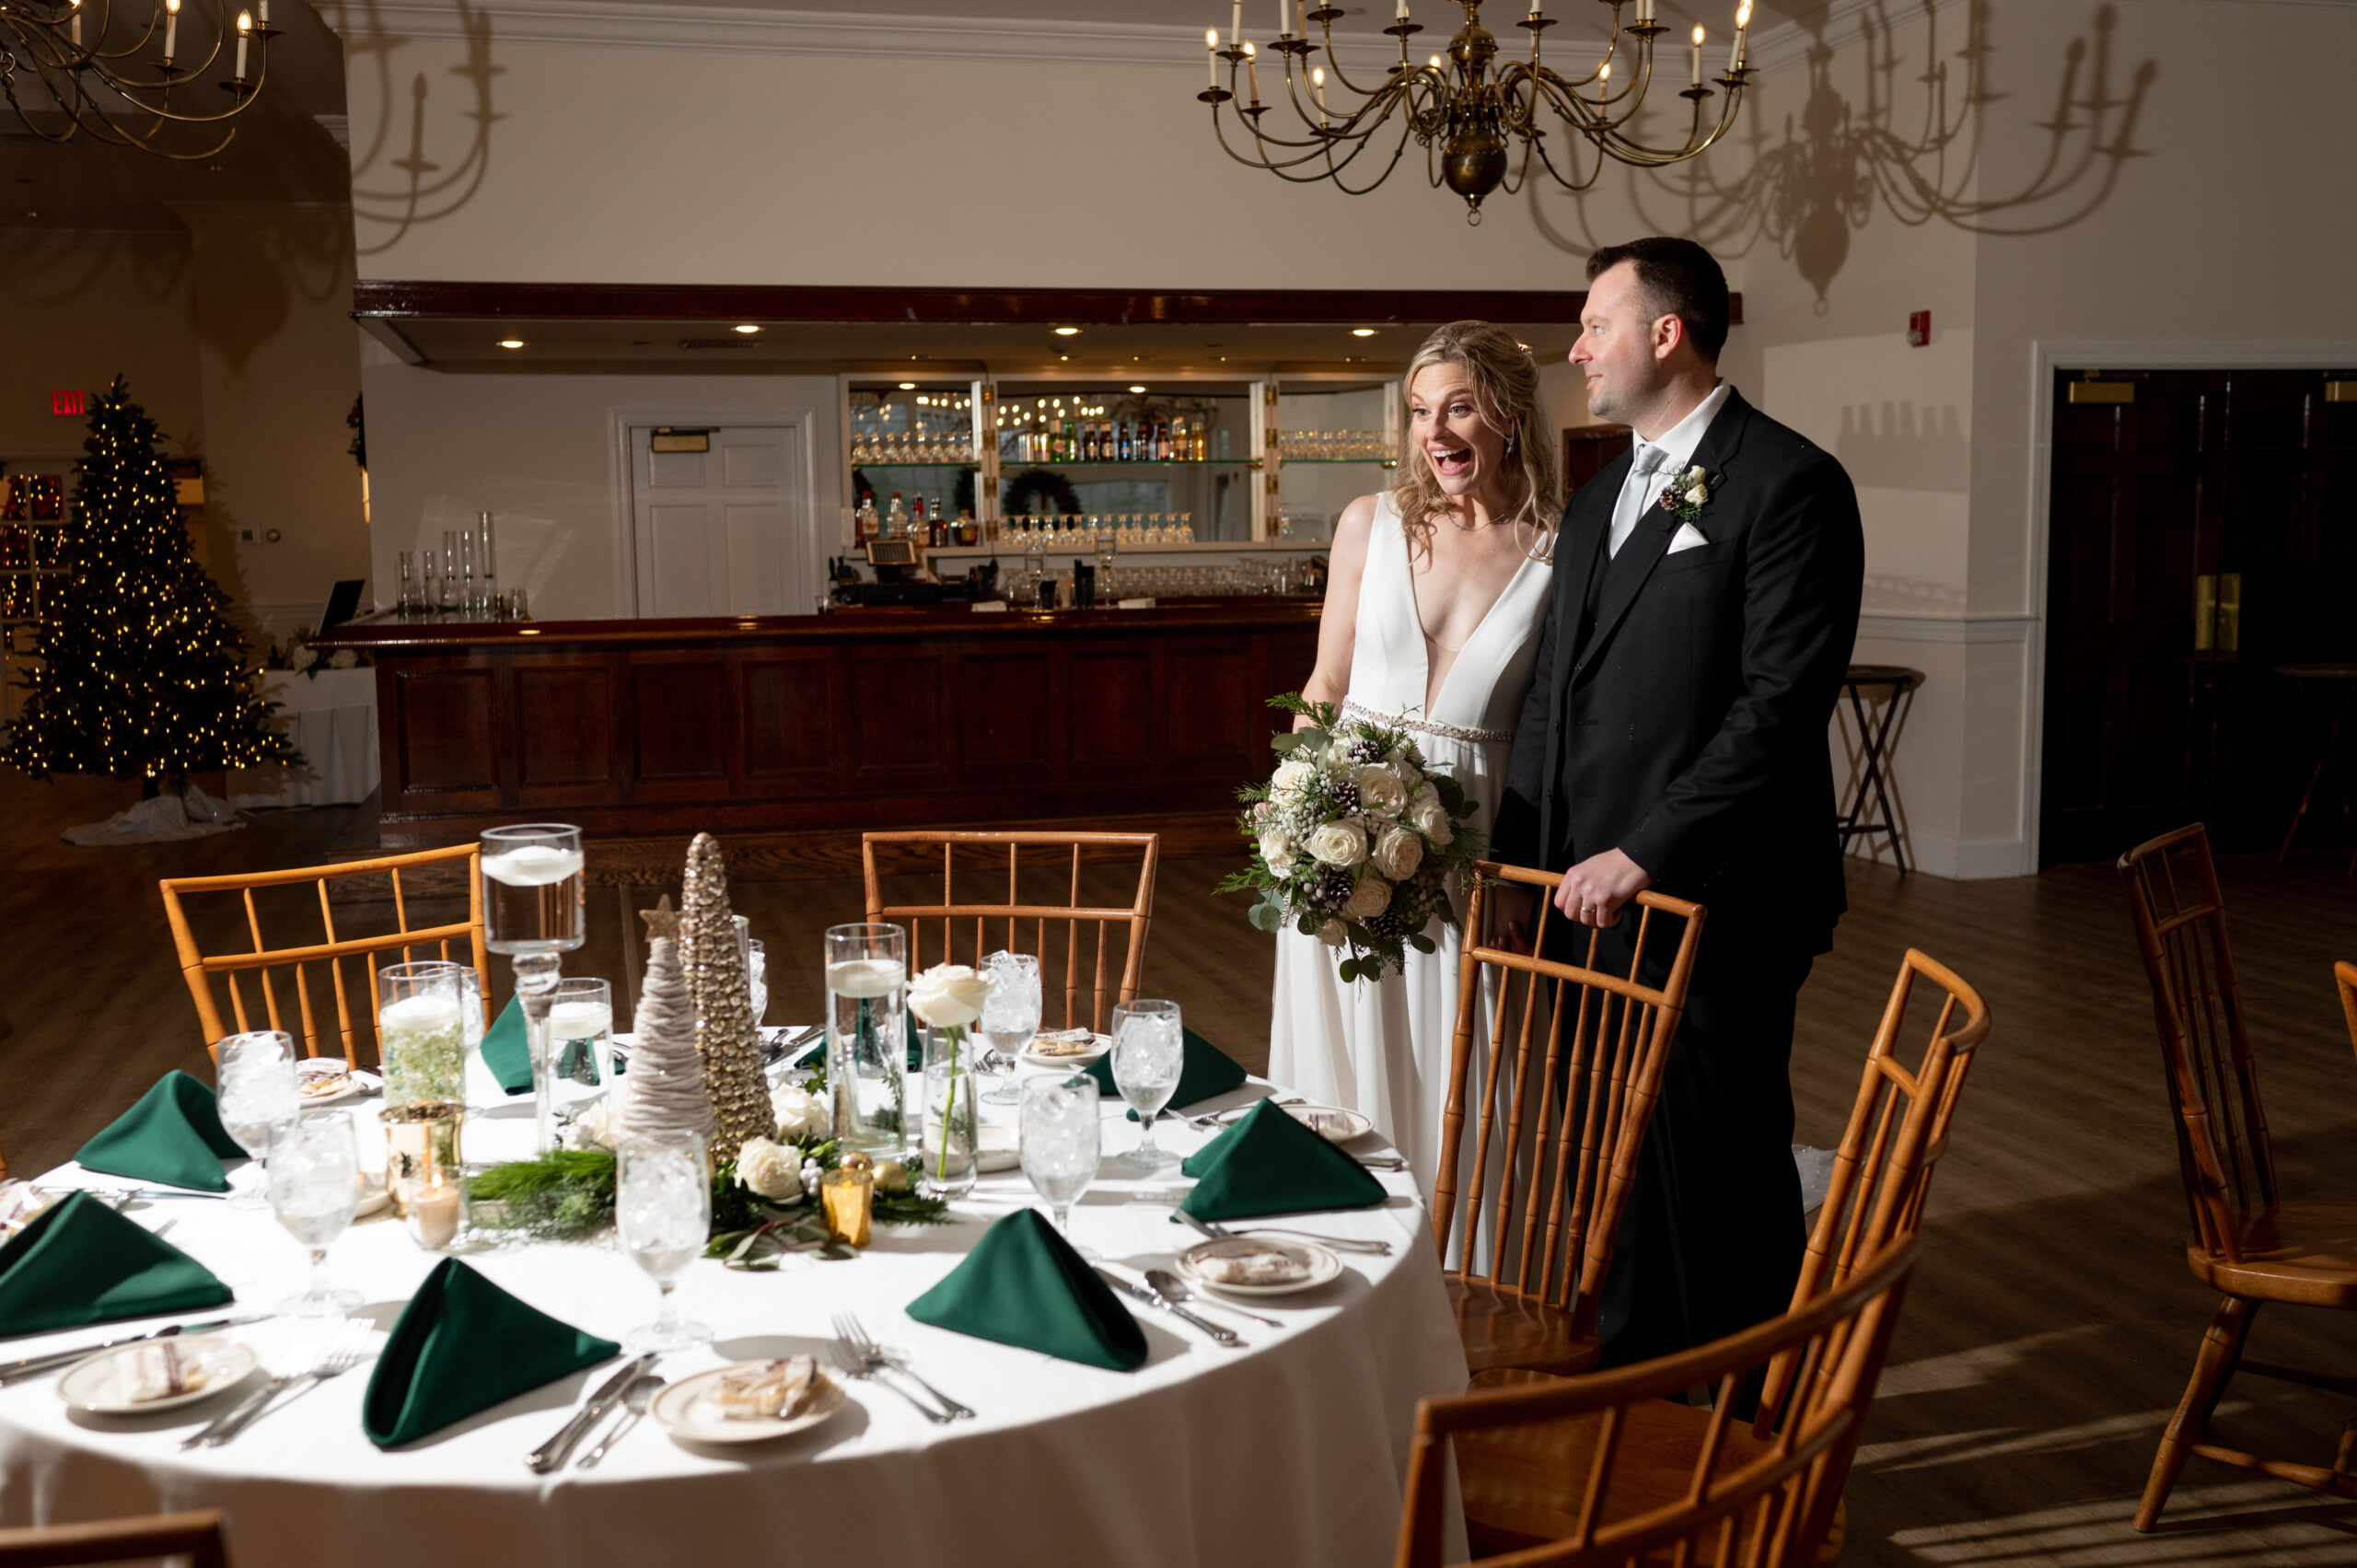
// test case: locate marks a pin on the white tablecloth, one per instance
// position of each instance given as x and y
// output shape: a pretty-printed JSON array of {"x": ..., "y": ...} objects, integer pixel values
[
  {"x": 332, "y": 718},
  {"x": 1290, "y": 1452}
]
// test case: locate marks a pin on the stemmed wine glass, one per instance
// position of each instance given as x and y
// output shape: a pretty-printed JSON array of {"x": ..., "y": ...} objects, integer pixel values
[
  {"x": 1060, "y": 1141},
  {"x": 533, "y": 912},
  {"x": 1149, "y": 1050},
  {"x": 1011, "y": 1017},
  {"x": 257, "y": 1092},
  {"x": 663, "y": 1208},
  {"x": 314, "y": 1189}
]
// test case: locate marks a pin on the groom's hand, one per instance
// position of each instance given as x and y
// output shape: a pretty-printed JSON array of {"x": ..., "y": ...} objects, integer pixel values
[{"x": 1592, "y": 891}]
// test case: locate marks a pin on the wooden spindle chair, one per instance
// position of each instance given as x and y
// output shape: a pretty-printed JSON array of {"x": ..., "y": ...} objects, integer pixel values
[
  {"x": 1584, "y": 1052},
  {"x": 1882, "y": 1174},
  {"x": 1735, "y": 1503},
  {"x": 196, "y": 1538},
  {"x": 2248, "y": 1242},
  {"x": 2345, "y": 974},
  {"x": 460, "y": 941},
  {"x": 998, "y": 923}
]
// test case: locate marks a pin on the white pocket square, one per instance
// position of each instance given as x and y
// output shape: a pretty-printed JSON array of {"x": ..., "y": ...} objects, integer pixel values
[{"x": 1688, "y": 537}]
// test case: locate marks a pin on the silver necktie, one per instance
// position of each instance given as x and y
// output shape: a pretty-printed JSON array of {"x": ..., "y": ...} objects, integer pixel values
[{"x": 1632, "y": 503}]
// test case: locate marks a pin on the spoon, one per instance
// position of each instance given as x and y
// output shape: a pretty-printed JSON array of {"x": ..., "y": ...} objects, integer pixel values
[
  {"x": 1171, "y": 1288},
  {"x": 635, "y": 1399}
]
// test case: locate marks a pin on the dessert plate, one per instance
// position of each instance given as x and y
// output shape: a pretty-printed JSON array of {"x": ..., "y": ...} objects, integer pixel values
[
  {"x": 1318, "y": 1265},
  {"x": 686, "y": 1410}
]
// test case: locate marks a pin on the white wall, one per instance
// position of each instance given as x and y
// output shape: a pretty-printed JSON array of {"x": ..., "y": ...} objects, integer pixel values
[{"x": 536, "y": 451}]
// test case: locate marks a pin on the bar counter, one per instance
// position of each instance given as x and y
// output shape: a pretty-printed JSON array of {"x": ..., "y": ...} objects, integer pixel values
[{"x": 860, "y": 718}]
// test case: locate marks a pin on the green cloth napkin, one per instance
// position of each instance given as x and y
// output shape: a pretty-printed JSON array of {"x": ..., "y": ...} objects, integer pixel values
[
  {"x": 462, "y": 1345},
  {"x": 1271, "y": 1164},
  {"x": 81, "y": 1262},
  {"x": 1023, "y": 1284},
  {"x": 1208, "y": 1070},
  {"x": 173, "y": 1135},
  {"x": 506, "y": 1051}
]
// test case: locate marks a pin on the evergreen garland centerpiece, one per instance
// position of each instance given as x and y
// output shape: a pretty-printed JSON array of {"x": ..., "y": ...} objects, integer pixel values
[
  {"x": 1355, "y": 839},
  {"x": 140, "y": 673}
]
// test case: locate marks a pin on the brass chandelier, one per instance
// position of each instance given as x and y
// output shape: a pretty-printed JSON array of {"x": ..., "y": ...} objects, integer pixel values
[
  {"x": 74, "y": 67},
  {"x": 1464, "y": 109}
]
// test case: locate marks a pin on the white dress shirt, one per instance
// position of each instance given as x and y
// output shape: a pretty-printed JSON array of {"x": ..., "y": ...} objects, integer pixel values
[{"x": 1654, "y": 463}]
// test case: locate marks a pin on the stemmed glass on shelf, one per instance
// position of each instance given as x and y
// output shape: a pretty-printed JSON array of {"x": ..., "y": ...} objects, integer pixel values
[
  {"x": 1149, "y": 1050},
  {"x": 314, "y": 1189},
  {"x": 663, "y": 1209},
  {"x": 256, "y": 1078},
  {"x": 1010, "y": 1015},
  {"x": 532, "y": 904},
  {"x": 1062, "y": 1140}
]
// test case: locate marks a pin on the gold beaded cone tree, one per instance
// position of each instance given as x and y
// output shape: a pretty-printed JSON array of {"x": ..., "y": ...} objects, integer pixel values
[
  {"x": 731, "y": 1046},
  {"x": 142, "y": 675},
  {"x": 667, "y": 1088}
]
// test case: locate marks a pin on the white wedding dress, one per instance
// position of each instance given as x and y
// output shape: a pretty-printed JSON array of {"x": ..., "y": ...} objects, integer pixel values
[{"x": 1382, "y": 1048}]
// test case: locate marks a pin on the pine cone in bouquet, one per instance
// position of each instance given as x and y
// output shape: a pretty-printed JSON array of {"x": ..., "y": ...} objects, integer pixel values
[{"x": 1354, "y": 840}]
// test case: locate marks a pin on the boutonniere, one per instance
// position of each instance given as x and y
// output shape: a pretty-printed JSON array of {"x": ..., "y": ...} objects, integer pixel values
[{"x": 1690, "y": 493}]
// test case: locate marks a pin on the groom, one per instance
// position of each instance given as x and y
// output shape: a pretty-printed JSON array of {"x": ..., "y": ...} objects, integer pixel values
[{"x": 1675, "y": 739}]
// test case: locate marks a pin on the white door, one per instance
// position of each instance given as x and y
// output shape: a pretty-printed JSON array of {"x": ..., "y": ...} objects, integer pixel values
[{"x": 717, "y": 530}]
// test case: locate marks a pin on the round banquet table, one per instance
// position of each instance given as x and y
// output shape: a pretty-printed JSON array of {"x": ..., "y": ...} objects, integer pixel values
[{"x": 1289, "y": 1451}]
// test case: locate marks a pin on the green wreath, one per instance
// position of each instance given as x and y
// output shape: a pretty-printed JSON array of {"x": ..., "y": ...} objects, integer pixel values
[{"x": 1041, "y": 484}]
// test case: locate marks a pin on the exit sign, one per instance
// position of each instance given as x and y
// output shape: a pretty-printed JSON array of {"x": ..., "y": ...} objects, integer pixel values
[{"x": 73, "y": 404}]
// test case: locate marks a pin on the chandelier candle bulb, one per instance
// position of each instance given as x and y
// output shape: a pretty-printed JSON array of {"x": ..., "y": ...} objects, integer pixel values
[
  {"x": 1252, "y": 69},
  {"x": 245, "y": 27},
  {"x": 172, "y": 28},
  {"x": 1644, "y": 13},
  {"x": 1210, "y": 58},
  {"x": 1697, "y": 56},
  {"x": 77, "y": 24},
  {"x": 1317, "y": 91},
  {"x": 1234, "y": 26}
]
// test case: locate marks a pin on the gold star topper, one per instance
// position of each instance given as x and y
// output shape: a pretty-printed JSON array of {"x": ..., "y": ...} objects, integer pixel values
[{"x": 662, "y": 921}]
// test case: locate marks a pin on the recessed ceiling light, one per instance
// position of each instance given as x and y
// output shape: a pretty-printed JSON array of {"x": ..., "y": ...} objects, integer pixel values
[
  {"x": 1137, "y": 389},
  {"x": 511, "y": 342},
  {"x": 907, "y": 385},
  {"x": 748, "y": 328},
  {"x": 1067, "y": 332},
  {"x": 1361, "y": 332}
]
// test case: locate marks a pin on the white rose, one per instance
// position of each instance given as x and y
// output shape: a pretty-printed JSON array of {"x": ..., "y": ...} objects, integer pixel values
[
  {"x": 594, "y": 1128},
  {"x": 1370, "y": 898},
  {"x": 1380, "y": 792},
  {"x": 1696, "y": 496},
  {"x": 948, "y": 995},
  {"x": 1431, "y": 818},
  {"x": 1277, "y": 848},
  {"x": 303, "y": 657},
  {"x": 770, "y": 1171},
  {"x": 1338, "y": 763},
  {"x": 1397, "y": 853},
  {"x": 1341, "y": 843},
  {"x": 1332, "y": 933},
  {"x": 800, "y": 1114},
  {"x": 1292, "y": 779},
  {"x": 343, "y": 659}
]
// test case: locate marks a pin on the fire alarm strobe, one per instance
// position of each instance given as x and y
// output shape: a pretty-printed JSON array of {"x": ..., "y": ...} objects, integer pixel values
[{"x": 1918, "y": 328}]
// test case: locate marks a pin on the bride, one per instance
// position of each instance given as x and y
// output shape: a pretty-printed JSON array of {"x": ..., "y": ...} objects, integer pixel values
[{"x": 1437, "y": 592}]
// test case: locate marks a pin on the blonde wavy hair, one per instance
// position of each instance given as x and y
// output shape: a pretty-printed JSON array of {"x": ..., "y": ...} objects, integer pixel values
[{"x": 1506, "y": 391}]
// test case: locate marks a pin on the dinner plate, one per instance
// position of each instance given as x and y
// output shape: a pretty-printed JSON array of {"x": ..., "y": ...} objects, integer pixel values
[
  {"x": 96, "y": 1385},
  {"x": 1323, "y": 1265},
  {"x": 1099, "y": 1046},
  {"x": 355, "y": 1084},
  {"x": 1000, "y": 1148},
  {"x": 686, "y": 1411},
  {"x": 1331, "y": 1123}
]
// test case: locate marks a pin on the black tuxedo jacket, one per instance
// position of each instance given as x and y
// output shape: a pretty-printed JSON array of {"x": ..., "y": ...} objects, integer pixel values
[{"x": 1687, "y": 726}]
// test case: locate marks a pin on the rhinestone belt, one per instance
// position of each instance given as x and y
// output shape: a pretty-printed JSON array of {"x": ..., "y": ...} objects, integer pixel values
[{"x": 1445, "y": 731}]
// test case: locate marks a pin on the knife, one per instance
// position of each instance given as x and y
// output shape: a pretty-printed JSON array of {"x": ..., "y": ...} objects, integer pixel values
[
  {"x": 33, "y": 1367},
  {"x": 1226, "y": 1337},
  {"x": 552, "y": 1455}
]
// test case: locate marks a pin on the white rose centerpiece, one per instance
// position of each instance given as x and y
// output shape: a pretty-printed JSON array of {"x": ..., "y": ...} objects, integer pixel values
[
  {"x": 1354, "y": 840},
  {"x": 949, "y": 996},
  {"x": 800, "y": 1114}
]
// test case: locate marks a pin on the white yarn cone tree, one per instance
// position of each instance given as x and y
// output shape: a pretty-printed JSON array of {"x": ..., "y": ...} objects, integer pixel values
[{"x": 667, "y": 1085}]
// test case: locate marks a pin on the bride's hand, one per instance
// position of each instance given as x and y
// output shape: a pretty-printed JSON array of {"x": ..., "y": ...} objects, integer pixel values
[{"x": 1592, "y": 891}]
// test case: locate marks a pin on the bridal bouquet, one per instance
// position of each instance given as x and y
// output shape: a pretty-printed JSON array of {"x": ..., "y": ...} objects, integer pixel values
[{"x": 1353, "y": 839}]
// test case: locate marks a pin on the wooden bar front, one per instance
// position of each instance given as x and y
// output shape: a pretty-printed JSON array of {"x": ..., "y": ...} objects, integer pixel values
[{"x": 864, "y": 719}]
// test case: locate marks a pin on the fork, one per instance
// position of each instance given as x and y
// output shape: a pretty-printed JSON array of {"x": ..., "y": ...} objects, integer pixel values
[
  {"x": 861, "y": 1356},
  {"x": 1220, "y": 1118},
  {"x": 333, "y": 1361},
  {"x": 1339, "y": 1243}
]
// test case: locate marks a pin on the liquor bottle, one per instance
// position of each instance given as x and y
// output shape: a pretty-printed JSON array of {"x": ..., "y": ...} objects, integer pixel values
[
  {"x": 896, "y": 521},
  {"x": 862, "y": 521},
  {"x": 1068, "y": 442},
  {"x": 1202, "y": 445},
  {"x": 919, "y": 530},
  {"x": 969, "y": 531},
  {"x": 1124, "y": 443},
  {"x": 1093, "y": 443},
  {"x": 1161, "y": 440}
]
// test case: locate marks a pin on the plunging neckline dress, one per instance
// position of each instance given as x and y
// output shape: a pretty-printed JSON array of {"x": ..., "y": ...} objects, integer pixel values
[{"x": 1382, "y": 1047}]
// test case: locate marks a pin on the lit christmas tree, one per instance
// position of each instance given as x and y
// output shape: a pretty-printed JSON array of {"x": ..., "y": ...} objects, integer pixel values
[{"x": 140, "y": 673}]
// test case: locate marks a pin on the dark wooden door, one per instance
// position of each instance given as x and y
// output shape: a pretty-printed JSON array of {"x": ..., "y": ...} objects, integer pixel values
[
  {"x": 2203, "y": 533},
  {"x": 1586, "y": 449}
]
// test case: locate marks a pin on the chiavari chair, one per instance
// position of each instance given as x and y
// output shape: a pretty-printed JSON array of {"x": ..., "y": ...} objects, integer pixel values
[{"x": 196, "y": 1539}]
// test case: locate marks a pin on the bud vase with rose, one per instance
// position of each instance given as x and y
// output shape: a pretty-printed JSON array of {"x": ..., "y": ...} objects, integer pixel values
[{"x": 947, "y": 999}]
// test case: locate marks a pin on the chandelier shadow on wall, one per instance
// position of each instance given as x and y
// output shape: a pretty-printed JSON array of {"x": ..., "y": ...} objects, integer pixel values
[
  {"x": 155, "y": 81},
  {"x": 1464, "y": 108}
]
